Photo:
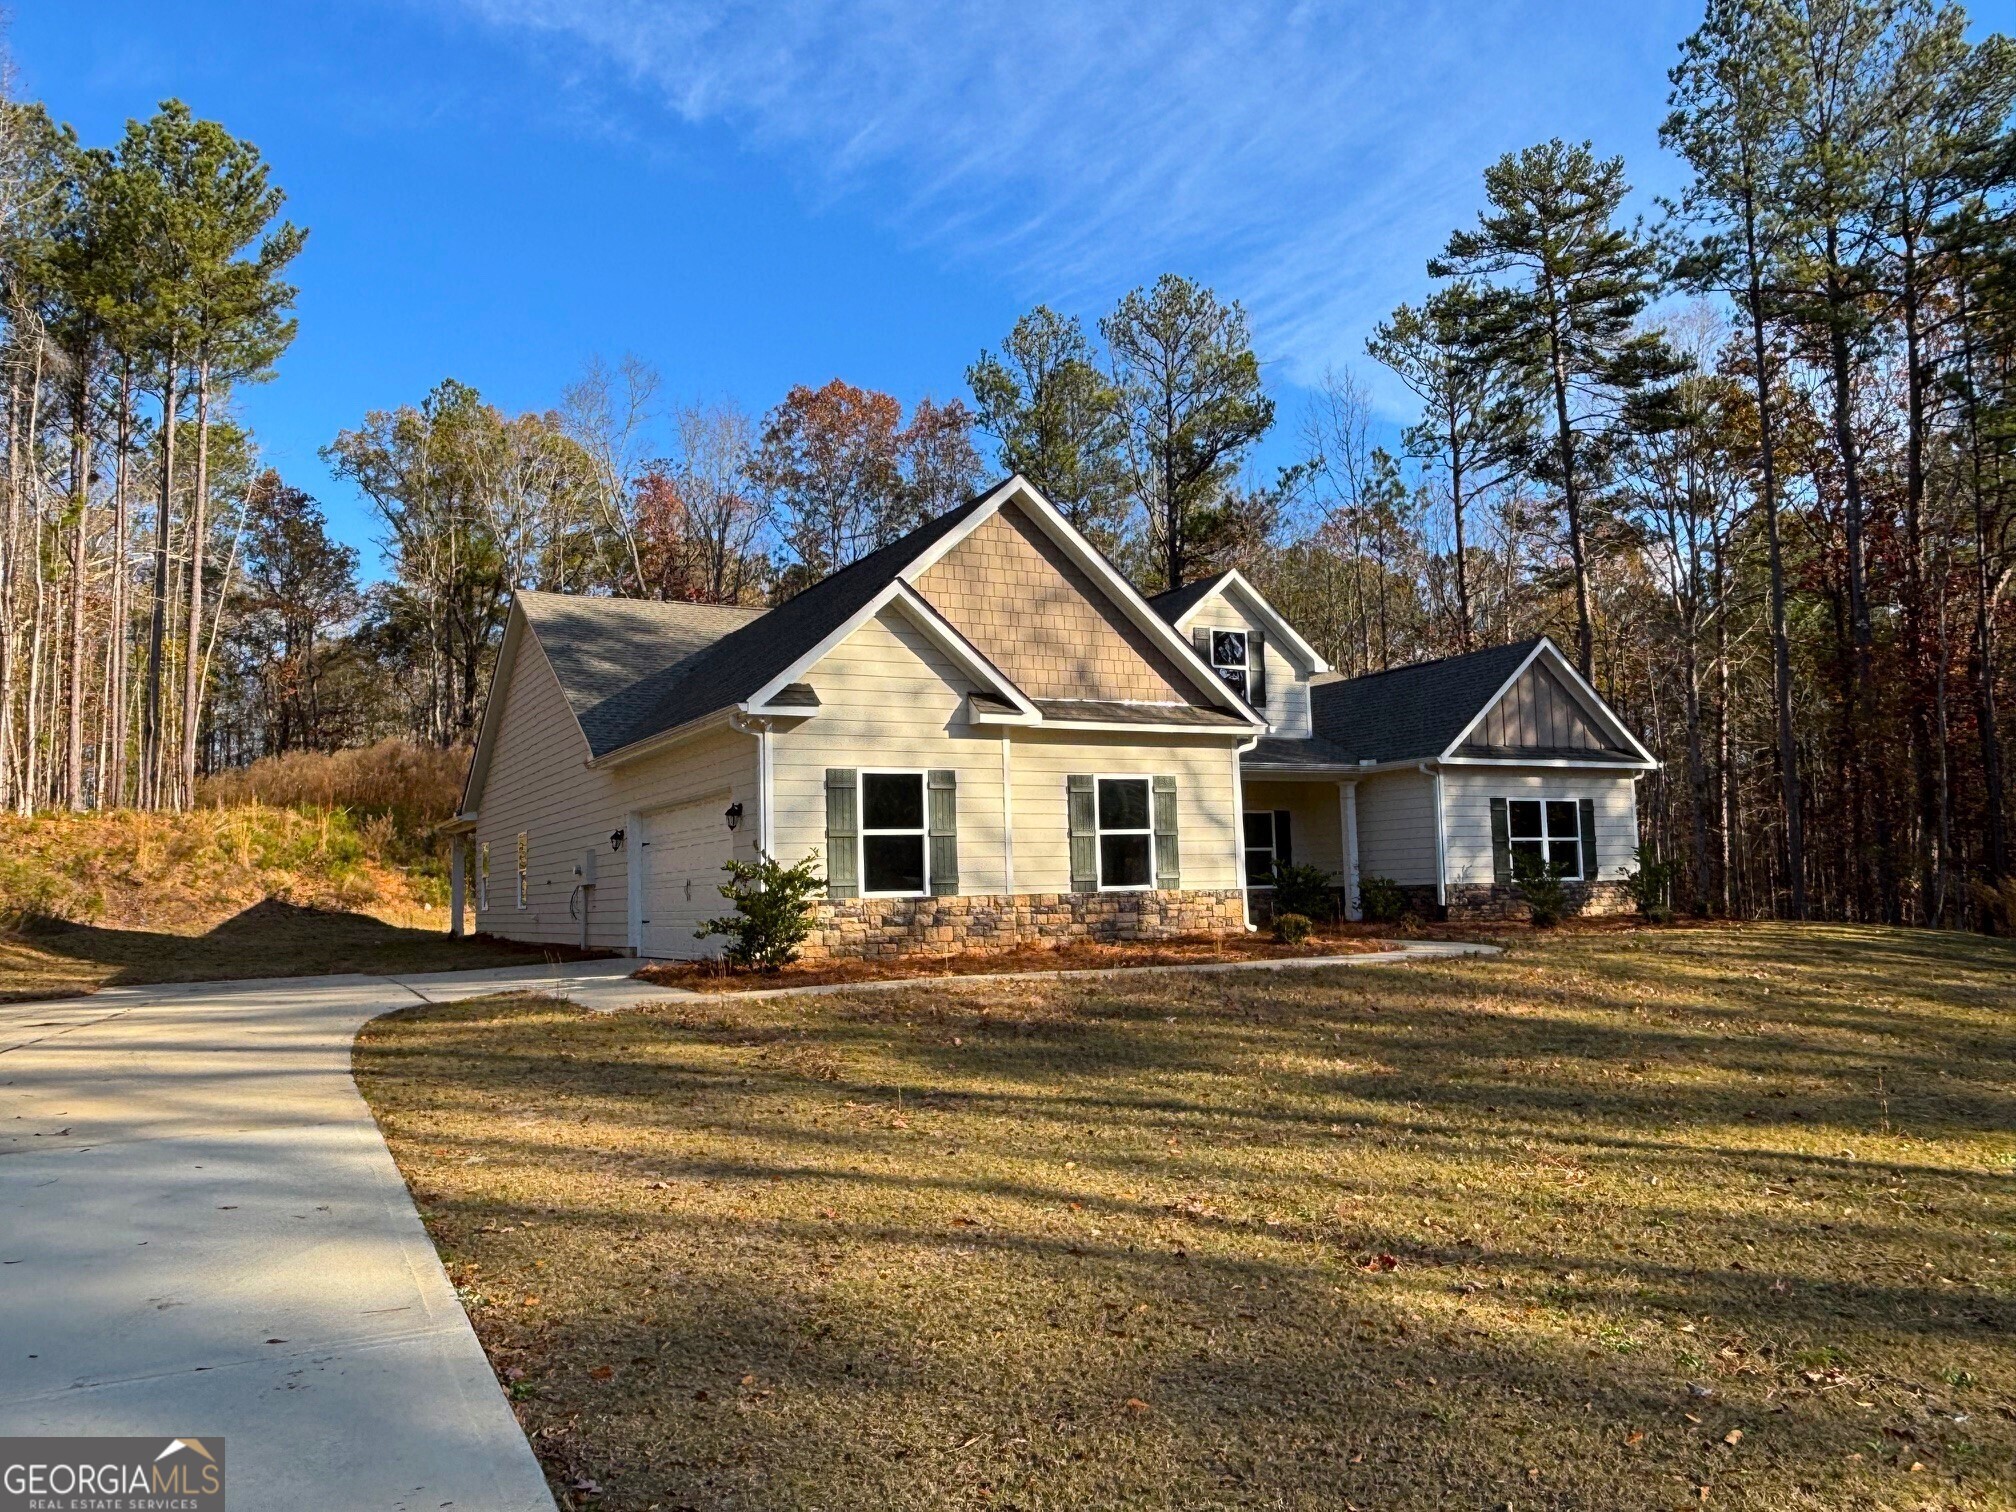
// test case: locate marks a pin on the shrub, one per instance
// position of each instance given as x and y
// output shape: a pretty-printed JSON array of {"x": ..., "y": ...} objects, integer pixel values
[
  {"x": 773, "y": 910},
  {"x": 1302, "y": 890},
  {"x": 1381, "y": 899},
  {"x": 1540, "y": 884},
  {"x": 1651, "y": 886},
  {"x": 1292, "y": 928}
]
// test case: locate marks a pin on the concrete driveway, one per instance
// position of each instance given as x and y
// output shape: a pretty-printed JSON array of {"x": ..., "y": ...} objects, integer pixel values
[{"x": 201, "y": 1232}]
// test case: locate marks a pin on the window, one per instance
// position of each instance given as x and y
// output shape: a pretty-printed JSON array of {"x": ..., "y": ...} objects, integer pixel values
[
  {"x": 1126, "y": 834},
  {"x": 483, "y": 877},
  {"x": 1228, "y": 658},
  {"x": 1548, "y": 832},
  {"x": 524, "y": 857},
  {"x": 1266, "y": 846},
  {"x": 892, "y": 834}
]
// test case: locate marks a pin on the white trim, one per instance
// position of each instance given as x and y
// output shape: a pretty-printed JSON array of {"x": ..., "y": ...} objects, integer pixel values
[
  {"x": 1120, "y": 727},
  {"x": 922, "y": 832},
  {"x": 1270, "y": 617},
  {"x": 636, "y": 840},
  {"x": 515, "y": 626},
  {"x": 1347, "y": 813},
  {"x": 1578, "y": 688},
  {"x": 1008, "y": 813},
  {"x": 1632, "y": 769},
  {"x": 1099, "y": 831},
  {"x": 1441, "y": 836},
  {"x": 651, "y": 745},
  {"x": 1089, "y": 560},
  {"x": 1545, "y": 839},
  {"x": 962, "y": 652}
]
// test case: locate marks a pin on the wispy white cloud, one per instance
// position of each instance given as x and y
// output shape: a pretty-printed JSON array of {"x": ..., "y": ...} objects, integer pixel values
[{"x": 1306, "y": 157}]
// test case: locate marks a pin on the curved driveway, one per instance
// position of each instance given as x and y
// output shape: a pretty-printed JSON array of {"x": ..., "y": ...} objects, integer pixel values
[{"x": 201, "y": 1232}]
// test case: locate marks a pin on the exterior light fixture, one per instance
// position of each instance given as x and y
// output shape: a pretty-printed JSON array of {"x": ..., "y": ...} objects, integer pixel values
[
  {"x": 616, "y": 840},
  {"x": 734, "y": 816}
]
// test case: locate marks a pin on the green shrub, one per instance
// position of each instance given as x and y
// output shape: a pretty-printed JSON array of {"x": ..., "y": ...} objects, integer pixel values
[
  {"x": 1303, "y": 890},
  {"x": 1651, "y": 886},
  {"x": 1381, "y": 899},
  {"x": 1540, "y": 884},
  {"x": 1292, "y": 928},
  {"x": 773, "y": 910}
]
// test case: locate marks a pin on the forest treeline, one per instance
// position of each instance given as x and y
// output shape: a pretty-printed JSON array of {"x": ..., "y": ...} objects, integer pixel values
[{"x": 1749, "y": 460}]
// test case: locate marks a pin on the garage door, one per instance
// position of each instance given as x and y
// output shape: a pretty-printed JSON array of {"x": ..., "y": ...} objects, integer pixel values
[{"x": 683, "y": 879}]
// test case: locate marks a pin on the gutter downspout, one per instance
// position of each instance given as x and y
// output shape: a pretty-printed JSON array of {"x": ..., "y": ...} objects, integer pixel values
[
  {"x": 1441, "y": 838},
  {"x": 766, "y": 827}
]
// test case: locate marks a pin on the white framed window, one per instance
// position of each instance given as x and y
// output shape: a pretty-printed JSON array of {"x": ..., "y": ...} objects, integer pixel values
[
  {"x": 1548, "y": 831},
  {"x": 1230, "y": 653},
  {"x": 895, "y": 850},
  {"x": 524, "y": 869},
  {"x": 1266, "y": 834},
  {"x": 1125, "y": 816},
  {"x": 483, "y": 877}
]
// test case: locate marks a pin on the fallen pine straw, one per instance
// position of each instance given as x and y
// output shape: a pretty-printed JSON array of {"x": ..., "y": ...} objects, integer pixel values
[
  {"x": 1077, "y": 955},
  {"x": 1605, "y": 1222}
]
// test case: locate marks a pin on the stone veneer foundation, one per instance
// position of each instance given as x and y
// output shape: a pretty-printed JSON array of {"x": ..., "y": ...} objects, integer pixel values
[
  {"x": 878, "y": 928},
  {"x": 1494, "y": 903}
]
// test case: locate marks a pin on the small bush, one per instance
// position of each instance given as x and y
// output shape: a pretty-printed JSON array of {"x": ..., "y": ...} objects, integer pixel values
[
  {"x": 1302, "y": 890},
  {"x": 1651, "y": 886},
  {"x": 1540, "y": 884},
  {"x": 773, "y": 911},
  {"x": 1292, "y": 928},
  {"x": 1381, "y": 899}
]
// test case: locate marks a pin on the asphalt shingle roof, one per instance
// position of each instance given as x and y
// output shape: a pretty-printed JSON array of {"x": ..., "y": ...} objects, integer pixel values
[
  {"x": 1411, "y": 713},
  {"x": 1177, "y": 601},
  {"x": 631, "y": 669}
]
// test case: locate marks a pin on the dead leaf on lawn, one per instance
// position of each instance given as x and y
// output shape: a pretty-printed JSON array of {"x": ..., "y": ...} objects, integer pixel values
[{"x": 602, "y": 1372}]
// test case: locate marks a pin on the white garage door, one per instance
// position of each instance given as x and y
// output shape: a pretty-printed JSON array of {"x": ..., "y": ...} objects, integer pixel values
[{"x": 683, "y": 879}]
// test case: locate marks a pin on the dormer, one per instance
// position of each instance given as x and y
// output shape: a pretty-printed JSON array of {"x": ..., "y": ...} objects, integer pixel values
[{"x": 1256, "y": 652}]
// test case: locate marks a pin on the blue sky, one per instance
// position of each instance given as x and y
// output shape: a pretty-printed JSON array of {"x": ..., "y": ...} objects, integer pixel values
[{"x": 753, "y": 195}]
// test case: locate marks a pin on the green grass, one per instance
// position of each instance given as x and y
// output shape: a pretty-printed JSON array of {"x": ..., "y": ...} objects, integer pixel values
[{"x": 1639, "y": 1220}]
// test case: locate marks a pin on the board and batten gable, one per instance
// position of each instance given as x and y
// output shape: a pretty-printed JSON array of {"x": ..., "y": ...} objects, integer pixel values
[
  {"x": 1033, "y": 612},
  {"x": 1538, "y": 713},
  {"x": 540, "y": 785},
  {"x": 1466, "y": 802},
  {"x": 1286, "y": 681}
]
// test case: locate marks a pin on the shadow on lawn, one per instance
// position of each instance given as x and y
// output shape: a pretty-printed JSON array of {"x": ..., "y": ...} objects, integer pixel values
[
  {"x": 1592, "y": 1226},
  {"x": 271, "y": 938}
]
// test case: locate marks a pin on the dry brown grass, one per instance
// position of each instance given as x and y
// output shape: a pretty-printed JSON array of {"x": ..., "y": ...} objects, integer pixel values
[
  {"x": 1624, "y": 1219},
  {"x": 1075, "y": 955},
  {"x": 416, "y": 786}
]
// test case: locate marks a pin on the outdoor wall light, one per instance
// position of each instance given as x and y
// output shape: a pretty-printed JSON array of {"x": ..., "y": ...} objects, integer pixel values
[
  {"x": 734, "y": 816},
  {"x": 616, "y": 840}
]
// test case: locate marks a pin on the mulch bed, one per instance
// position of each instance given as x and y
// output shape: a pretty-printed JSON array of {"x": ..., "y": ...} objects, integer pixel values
[{"x": 1192, "y": 950}]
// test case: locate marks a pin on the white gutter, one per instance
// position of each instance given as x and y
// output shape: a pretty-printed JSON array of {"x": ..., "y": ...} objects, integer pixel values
[
  {"x": 766, "y": 829},
  {"x": 1441, "y": 838},
  {"x": 664, "y": 738}
]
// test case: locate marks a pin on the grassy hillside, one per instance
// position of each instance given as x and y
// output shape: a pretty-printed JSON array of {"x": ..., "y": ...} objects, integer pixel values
[{"x": 298, "y": 865}]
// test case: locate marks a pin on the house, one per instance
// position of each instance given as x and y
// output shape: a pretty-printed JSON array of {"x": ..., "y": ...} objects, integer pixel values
[
  {"x": 988, "y": 736},
  {"x": 1435, "y": 776}
]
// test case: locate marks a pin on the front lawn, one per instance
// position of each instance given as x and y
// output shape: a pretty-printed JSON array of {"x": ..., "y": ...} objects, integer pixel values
[{"x": 1643, "y": 1219}]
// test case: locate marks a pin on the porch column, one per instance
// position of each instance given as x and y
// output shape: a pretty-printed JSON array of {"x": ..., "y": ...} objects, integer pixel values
[
  {"x": 1347, "y": 818},
  {"x": 456, "y": 887}
]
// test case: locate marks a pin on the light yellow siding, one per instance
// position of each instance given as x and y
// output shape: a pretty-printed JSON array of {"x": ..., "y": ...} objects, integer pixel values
[
  {"x": 1396, "y": 828},
  {"x": 1287, "y": 711},
  {"x": 540, "y": 785},
  {"x": 1315, "y": 823},
  {"x": 1467, "y": 796}
]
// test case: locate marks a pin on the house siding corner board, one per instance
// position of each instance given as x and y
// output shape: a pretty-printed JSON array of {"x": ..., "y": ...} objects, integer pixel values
[
  {"x": 1287, "y": 711},
  {"x": 539, "y": 786},
  {"x": 1043, "y": 622},
  {"x": 1396, "y": 829},
  {"x": 1467, "y": 795},
  {"x": 890, "y": 699}
]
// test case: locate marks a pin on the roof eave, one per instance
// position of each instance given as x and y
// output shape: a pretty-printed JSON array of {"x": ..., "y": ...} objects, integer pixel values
[{"x": 650, "y": 745}]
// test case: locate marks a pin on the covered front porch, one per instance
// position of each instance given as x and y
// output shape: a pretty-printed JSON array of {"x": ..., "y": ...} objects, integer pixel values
[{"x": 1300, "y": 817}]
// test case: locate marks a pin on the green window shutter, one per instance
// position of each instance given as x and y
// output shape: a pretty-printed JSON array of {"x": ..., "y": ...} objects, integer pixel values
[
  {"x": 1588, "y": 825},
  {"x": 1501, "y": 843},
  {"x": 843, "y": 830},
  {"x": 1081, "y": 800},
  {"x": 942, "y": 818},
  {"x": 1256, "y": 672},
  {"x": 1168, "y": 874}
]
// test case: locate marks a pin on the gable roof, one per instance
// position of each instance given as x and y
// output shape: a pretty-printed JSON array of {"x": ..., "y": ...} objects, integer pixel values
[
  {"x": 1177, "y": 605},
  {"x": 1174, "y": 604},
  {"x": 1420, "y": 712}
]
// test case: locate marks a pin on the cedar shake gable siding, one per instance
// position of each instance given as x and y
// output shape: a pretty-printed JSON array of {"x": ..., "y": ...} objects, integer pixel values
[{"x": 1036, "y": 615}]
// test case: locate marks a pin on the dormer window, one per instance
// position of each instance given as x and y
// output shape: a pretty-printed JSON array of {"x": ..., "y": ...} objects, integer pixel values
[{"x": 1228, "y": 658}]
